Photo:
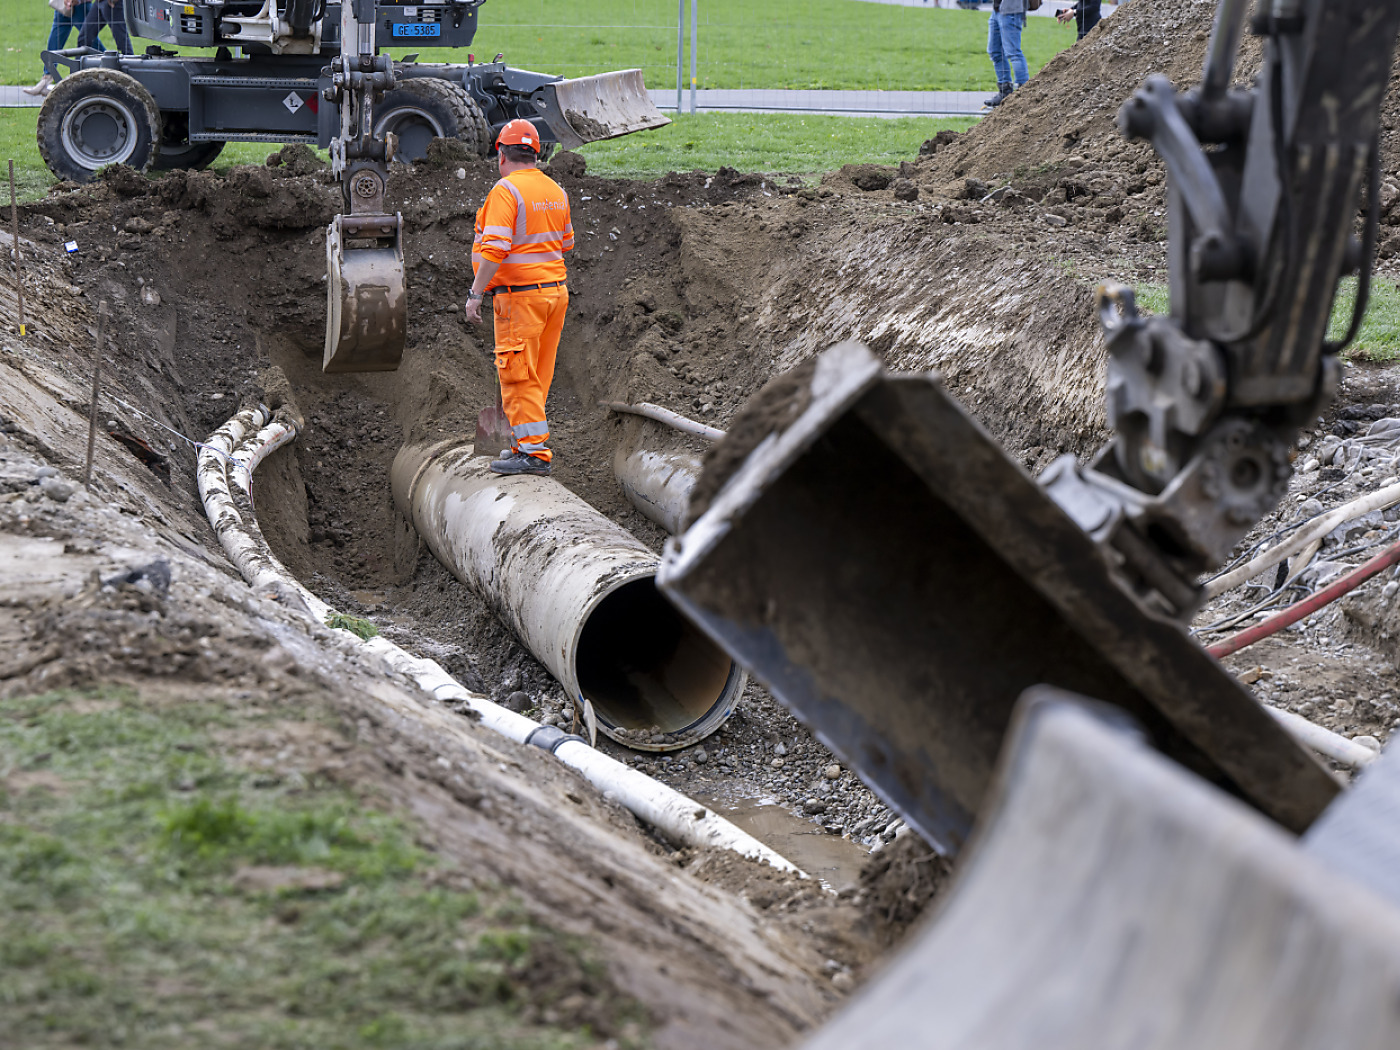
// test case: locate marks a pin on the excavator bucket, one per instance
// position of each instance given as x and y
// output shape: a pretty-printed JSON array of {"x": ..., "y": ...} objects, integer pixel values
[
  {"x": 898, "y": 582},
  {"x": 366, "y": 309},
  {"x": 606, "y": 106},
  {"x": 1113, "y": 900}
]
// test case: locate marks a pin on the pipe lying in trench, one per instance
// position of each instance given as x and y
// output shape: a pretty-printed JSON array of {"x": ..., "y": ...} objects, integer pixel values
[
  {"x": 225, "y": 471},
  {"x": 647, "y": 410},
  {"x": 577, "y": 589},
  {"x": 657, "y": 483}
]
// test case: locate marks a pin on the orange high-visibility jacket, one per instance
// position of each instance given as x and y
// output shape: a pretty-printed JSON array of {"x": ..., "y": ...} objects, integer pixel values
[{"x": 524, "y": 225}]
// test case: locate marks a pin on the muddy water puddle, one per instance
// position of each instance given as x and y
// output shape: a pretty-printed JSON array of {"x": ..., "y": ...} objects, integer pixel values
[{"x": 834, "y": 860}]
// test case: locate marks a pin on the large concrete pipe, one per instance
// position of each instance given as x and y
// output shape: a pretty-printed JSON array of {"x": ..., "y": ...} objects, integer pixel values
[
  {"x": 578, "y": 590},
  {"x": 657, "y": 483}
]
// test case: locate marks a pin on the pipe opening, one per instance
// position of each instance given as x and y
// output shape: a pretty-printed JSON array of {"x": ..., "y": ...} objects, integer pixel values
[{"x": 643, "y": 664}]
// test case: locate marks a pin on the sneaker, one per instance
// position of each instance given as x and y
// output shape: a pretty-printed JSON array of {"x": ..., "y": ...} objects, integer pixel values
[
  {"x": 520, "y": 463},
  {"x": 44, "y": 86}
]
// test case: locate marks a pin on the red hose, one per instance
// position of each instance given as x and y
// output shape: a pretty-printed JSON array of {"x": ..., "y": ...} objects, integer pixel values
[{"x": 1308, "y": 606}]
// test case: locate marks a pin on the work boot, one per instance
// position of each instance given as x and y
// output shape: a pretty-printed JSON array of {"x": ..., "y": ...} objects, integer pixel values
[
  {"x": 996, "y": 100},
  {"x": 41, "y": 88},
  {"x": 520, "y": 463}
]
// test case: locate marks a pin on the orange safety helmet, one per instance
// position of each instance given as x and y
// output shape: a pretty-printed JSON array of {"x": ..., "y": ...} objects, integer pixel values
[{"x": 519, "y": 132}]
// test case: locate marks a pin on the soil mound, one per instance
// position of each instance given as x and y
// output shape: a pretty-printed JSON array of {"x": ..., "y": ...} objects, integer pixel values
[{"x": 1067, "y": 110}]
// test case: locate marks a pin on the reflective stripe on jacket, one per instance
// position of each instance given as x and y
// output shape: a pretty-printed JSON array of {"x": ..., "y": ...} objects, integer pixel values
[{"x": 525, "y": 226}]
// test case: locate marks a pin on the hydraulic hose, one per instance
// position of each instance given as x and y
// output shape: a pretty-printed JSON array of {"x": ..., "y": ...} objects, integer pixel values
[
  {"x": 1343, "y": 585},
  {"x": 225, "y": 470},
  {"x": 1303, "y": 538}
]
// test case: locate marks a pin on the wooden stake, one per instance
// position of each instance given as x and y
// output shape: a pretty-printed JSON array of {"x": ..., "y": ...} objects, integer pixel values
[
  {"x": 96, "y": 384},
  {"x": 14, "y": 223}
]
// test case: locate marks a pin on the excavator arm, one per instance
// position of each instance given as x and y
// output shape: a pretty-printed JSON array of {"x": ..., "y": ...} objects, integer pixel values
[
  {"x": 366, "y": 305},
  {"x": 1264, "y": 187}
]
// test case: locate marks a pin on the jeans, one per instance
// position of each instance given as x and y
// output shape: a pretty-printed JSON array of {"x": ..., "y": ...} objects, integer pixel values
[
  {"x": 106, "y": 13},
  {"x": 1004, "y": 47},
  {"x": 62, "y": 26}
]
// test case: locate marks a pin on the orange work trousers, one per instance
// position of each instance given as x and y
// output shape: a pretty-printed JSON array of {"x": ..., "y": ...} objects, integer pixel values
[{"x": 528, "y": 326}]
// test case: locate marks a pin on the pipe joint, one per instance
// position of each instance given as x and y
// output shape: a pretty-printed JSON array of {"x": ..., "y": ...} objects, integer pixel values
[{"x": 551, "y": 738}]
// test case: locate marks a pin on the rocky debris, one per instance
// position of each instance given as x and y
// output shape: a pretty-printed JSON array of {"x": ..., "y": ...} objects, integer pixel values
[{"x": 153, "y": 577}]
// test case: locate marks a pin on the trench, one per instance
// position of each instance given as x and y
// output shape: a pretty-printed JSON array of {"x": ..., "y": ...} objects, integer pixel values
[{"x": 682, "y": 294}]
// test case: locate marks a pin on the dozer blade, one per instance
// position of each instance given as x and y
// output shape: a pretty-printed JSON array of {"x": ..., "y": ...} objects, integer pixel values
[
  {"x": 898, "y": 582},
  {"x": 366, "y": 309},
  {"x": 605, "y": 106}
]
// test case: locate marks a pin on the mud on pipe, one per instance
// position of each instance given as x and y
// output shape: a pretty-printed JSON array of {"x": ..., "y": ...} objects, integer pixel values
[{"x": 577, "y": 589}]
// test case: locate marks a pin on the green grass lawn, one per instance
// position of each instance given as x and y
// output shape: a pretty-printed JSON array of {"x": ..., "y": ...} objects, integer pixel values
[
  {"x": 1378, "y": 340},
  {"x": 140, "y": 904},
  {"x": 806, "y": 44},
  {"x": 843, "y": 44},
  {"x": 774, "y": 142}
]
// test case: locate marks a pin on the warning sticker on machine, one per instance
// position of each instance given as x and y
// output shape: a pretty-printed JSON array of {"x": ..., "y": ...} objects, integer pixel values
[{"x": 293, "y": 102}]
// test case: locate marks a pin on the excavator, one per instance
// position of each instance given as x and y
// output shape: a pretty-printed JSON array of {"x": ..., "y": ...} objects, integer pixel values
[
  {"x": 313, "y": 72},
  {"x": 882, "y": 565}
]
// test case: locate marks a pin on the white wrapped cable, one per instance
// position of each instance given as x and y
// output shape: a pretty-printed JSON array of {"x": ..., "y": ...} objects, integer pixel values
[
  {"x": 664, "y": 415},
  {"x": 225, "y": 469},
  {"x": 1325, "y": 742},
  {"x": 1305, "y": 537}
]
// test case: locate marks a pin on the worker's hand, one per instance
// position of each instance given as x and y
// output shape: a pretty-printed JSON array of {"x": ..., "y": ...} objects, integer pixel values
[
  {"x": 1065, "y": 15},
  {"x": 474, "y": 311}
]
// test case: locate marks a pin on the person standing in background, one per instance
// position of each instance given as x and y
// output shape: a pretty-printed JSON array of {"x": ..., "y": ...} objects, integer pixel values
[
  {"x": 106, "y": 13},
  {"x": 1004, "y": 28},
  {"x": 1085, "y": 14},
  {"x": 67, "y": 16}
]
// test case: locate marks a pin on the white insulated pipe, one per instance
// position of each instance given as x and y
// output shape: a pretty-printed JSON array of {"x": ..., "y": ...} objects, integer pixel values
[
  {"x": 1304, "y": 538},
  {"x": 647, "y": 410},
  {"x": 1338, "y": 748},
  {"x": 225, "y": 467},
  {"x": 577, "y": 589},
  {"x": 657, "y": 483}
]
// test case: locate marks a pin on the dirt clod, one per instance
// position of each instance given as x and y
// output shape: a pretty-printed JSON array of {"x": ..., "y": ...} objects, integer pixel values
[{"x": 770, "y": 411}]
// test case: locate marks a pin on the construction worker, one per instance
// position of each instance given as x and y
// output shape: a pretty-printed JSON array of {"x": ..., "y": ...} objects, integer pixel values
[{"x": 522, "y": 233}]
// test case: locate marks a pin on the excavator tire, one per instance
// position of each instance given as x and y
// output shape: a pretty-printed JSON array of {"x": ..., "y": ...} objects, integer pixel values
[
  {"x": 97, "y": 117},
  {"x": 177, "y": 151},
  {"x": 425, "y": 108},
  {"x": 483, "y": 127},
  {"x": 193, "y": 156}
]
